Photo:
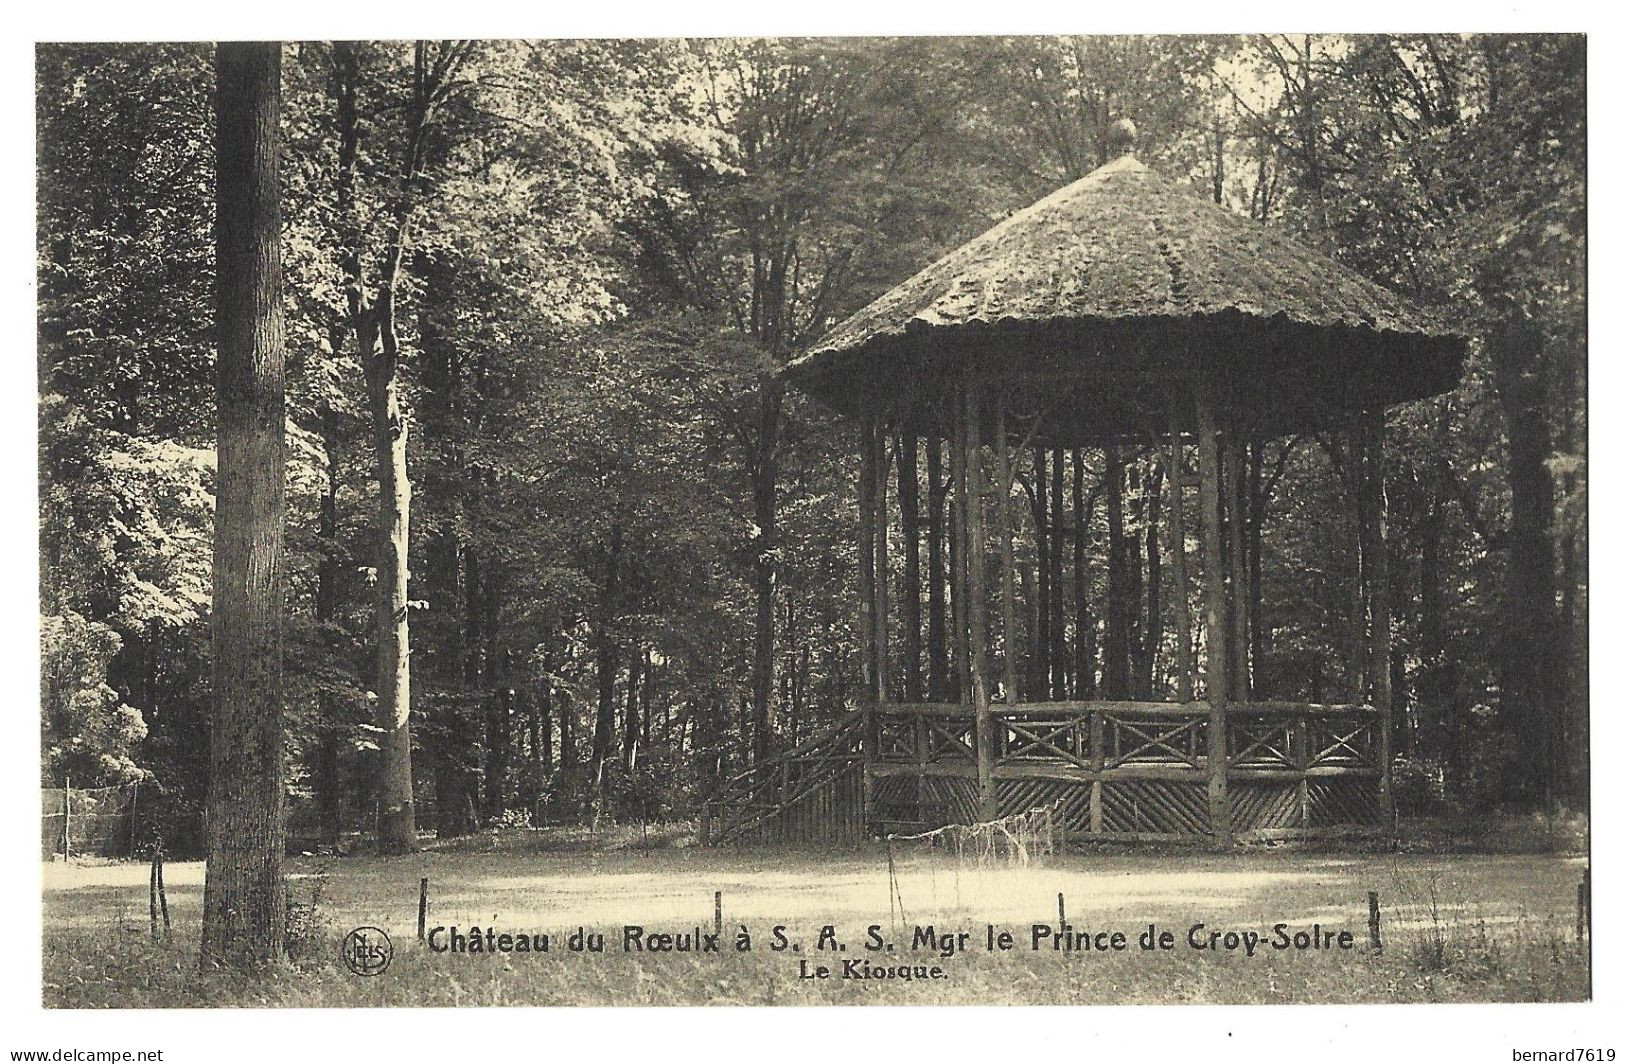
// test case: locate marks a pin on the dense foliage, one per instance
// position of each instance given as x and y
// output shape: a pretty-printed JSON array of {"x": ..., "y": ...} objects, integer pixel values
[{"x": 632, "y": 552}]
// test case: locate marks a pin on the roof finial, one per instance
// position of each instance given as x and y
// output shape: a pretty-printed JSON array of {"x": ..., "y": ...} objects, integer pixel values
[{"x": 1120, "y": 138}]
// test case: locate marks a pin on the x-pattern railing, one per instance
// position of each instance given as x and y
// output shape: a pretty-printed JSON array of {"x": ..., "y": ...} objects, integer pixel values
[
  {"x": 1267, "y": 744},
  {"x": 1156, "y": 737},
  {"x": 897, "y": 738},
  {"x": 954, "y": 740},
  {"x": 1051, "y": 739},
  {"x": 1342, "y": 741}
]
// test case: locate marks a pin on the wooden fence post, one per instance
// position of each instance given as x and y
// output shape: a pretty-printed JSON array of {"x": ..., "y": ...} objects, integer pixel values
[
  {"x": 423, "y": 908},
  {"x": 1374, "y": 922},
  {"x": 1215, "y": 614},
  {"x": 719, "y": 915},
  {"x": 1060, "y": 909},
  {"x": 152, "y": 894},
  {"x": 163, "y": 896}
]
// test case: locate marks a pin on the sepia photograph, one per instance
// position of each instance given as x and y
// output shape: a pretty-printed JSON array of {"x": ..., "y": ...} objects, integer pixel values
[{"x": 817, "y": 521}]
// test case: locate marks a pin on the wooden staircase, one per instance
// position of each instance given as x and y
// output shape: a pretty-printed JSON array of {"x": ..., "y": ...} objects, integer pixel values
[{"x": 811, "y": 793}]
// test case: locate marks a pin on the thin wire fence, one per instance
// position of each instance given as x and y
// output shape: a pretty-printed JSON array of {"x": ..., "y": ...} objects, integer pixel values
[
  {"x": 89, "y": 821},
  {"x": 959, "y": 863}
]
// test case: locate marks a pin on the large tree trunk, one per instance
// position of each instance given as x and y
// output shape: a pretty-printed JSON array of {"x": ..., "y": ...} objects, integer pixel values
[
  {"x": 243, "y": 905},
  {"x": 377, "y": 350},
  {"x": 397, "y": 825},
  {"x": 372, "y": 316},
  {"x": 1531, "y": 676}
]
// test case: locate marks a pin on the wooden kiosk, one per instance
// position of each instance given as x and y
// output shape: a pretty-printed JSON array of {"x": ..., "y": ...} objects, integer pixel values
[{"x": 1121, "y": 310}]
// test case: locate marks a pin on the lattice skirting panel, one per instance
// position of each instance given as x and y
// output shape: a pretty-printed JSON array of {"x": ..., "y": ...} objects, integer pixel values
[
  {"x": 947, "y": 800},
  {"x": 896, "y": 802},
  {"x": 1261, "y": 806},
  {"x": 1018, "y": 796},
  {"x": 1349, "y": 802},
  {"x": 921, "y": 803},
  {"x": 1171, "y": 807}
]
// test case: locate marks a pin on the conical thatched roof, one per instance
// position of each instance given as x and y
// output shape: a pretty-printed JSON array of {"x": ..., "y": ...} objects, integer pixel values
[{"x": 1116, "y": 289}]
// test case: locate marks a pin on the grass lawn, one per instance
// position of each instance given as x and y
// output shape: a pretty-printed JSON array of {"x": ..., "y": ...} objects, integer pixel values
[{"x": 1485, "y": 927}]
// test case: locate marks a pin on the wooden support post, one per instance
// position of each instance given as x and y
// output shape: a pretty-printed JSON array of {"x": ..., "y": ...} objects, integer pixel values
[
  {"x": 871, "y": 756},
  {"x": 1060, "y": 909},
  {"x": 1374, "y": 922},
  {"x": 1057, "y": 685},
  {"x": 882, "y": 479},
  {"x": 976, "y": 598},
  {"x": 958, "y": 582},
  {"x": 1240, "y": 641},
  {"x": 866, "y": 556},
  {"x": 1097, "y": 762},
  {"x": 163, "y": 896},
  {"x": 1007, "y": 554},
  {"x": 1213, "y": 596},
  {"x": 866, "y": 612},
  {"x": 152, "y": 894},
  {"x": 1382, "y": 627},
  {"x": 1298, "y": 747},
  {"x": 1183, "y": 677},
  {"x": 423, "y": 908},
  {"x": 1354, "y": 491},
  {"x": 1083, "y": 666},
  {"x": 718, "y": 902},
  {"x": 908, "y": 509}
]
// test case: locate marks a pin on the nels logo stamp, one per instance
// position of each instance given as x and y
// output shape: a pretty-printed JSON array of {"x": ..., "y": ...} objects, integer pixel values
[{"x": 367, "y": 951}]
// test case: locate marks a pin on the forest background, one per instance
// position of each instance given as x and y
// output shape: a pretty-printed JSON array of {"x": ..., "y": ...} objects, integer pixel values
[{"x": 568, "y": 271}]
